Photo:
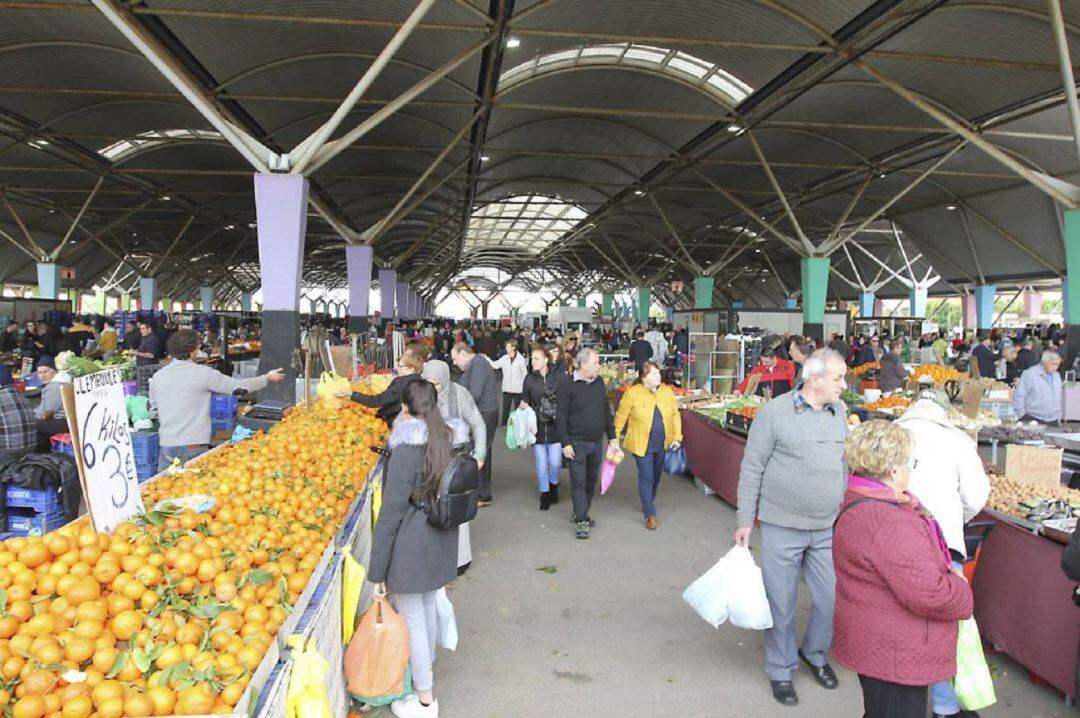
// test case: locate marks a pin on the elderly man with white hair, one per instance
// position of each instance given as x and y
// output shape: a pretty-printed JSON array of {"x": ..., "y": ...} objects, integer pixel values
[
  {"x": 1038, "y": 393},
  {"x": 582, "y": 418},
  {"x": 792, "y": 479}
]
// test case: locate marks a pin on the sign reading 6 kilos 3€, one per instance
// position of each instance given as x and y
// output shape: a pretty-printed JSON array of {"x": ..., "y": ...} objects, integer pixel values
[{"x": 103, "y": 451}]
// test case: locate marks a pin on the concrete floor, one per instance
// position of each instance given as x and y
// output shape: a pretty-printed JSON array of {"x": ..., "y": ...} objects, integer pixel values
[{"x": 607, "y": 633}]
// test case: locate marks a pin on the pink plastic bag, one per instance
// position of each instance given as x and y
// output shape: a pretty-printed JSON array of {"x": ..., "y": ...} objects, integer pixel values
[{"x": 607, "y": 475}]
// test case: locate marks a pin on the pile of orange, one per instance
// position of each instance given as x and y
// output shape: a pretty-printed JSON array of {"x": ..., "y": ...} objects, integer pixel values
[
  {"x": 172, "y": 613},
  {"x": 863, "y": 368},
  {"x": 937, "y": 372},
  {"x": 894, "y": 401}
]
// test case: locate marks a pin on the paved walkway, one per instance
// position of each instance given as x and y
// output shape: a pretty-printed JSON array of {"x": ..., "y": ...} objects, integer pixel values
[{"x": 603, "y": 631}]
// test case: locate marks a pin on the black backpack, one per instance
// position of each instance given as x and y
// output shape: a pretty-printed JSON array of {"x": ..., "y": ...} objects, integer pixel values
[{"x": 458, "y": 494}]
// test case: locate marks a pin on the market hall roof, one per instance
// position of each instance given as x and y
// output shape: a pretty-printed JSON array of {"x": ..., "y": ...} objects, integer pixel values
[{"x": 729, "y": 137}]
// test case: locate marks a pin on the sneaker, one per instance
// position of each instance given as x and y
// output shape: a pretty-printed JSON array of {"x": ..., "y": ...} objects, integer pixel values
[
  {"x": 573, "y": 520},
  {"x": 411, "y": 707},
  {"x": 583, "y": 529}
]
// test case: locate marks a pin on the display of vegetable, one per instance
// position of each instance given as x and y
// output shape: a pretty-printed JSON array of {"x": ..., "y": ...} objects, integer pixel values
[
  {"x": 1035, "y": 503},
  {"x": 81, "y": 366},
  {"x": 1013, "y": 433},
  {"x": 851, "y": 398}
]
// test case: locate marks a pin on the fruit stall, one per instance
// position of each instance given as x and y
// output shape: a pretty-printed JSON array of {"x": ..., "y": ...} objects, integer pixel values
[
  {"x": 193, "y": 606},
  {"x": 714, "y": 436}
]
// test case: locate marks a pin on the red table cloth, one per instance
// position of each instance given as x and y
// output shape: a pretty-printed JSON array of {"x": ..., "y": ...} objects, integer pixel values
[{"x": 714, "y": 455}]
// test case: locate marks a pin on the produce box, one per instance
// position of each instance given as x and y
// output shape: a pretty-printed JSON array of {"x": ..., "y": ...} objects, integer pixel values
[{"x": 1038, "y": 466}]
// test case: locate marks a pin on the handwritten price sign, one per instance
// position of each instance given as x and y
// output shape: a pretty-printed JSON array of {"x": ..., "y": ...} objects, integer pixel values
[{"x": 103, "y": 448}]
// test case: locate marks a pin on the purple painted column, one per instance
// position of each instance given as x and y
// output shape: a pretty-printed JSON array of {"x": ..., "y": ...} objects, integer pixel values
[
  {"x": 968, "y": 303},
  {"x": 402, "y": 300},
  {"x": 281, "y": 218},
  {"x": 387, "y": 288},
  {"x": 358, "y": 259}
]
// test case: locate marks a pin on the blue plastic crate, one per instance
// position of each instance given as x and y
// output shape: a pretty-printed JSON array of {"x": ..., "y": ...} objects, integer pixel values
[
  {"x": 145, "y": 445},
  {"x": 26, "y": 522},
  {"x": 219, "y": 425},
  {"x": 223, "y": 405},
  {"x": 145, "y": 471},
  {"x": 37, "y": 499},
  {"x": 61, "y": 444}
]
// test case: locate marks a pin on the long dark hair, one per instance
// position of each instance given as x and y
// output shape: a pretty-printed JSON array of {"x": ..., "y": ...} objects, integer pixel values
[{"x": 423, "y": 403}]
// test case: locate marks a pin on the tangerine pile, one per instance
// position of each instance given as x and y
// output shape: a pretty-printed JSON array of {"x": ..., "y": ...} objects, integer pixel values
[{"x": 172, "y": 613}]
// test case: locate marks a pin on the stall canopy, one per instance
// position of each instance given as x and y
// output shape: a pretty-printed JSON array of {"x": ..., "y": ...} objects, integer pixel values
[{"x": 557, "y": 146}]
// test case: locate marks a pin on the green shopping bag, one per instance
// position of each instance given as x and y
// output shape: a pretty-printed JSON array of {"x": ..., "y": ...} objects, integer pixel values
[
  {"x": 511, "y": 434},
  {"x": 973, "y": 685}
]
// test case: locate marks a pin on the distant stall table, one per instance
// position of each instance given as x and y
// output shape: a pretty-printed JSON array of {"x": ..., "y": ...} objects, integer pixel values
[{"x": 714, "y": 454}]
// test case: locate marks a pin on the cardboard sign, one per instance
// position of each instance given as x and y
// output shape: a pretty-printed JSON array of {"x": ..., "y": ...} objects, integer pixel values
[
  {"x": 103, "y": 448},
  {"x": 1035, "y": 465},
  {"x": 971, "y": 399}
]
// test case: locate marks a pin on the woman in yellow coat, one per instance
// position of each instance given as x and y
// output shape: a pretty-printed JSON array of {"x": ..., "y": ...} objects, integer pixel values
[{"x": 650, "y": 417}]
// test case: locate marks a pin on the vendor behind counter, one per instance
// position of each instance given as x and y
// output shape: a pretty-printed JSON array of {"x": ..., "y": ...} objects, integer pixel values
[{"x": 776, "y": 376}]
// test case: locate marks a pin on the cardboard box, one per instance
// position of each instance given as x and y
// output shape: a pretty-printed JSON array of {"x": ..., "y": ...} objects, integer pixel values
[{"x": 1034, "y": 465}]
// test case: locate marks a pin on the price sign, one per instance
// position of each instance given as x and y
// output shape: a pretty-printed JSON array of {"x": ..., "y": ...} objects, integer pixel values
[
  {"x": 103, "y": 448},
  {"x": 1038, "y": 466}
]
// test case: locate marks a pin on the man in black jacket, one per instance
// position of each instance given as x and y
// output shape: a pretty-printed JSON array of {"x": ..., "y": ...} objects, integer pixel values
[
  {"x": 583, "y": 417},
  {"x": 983, "y": 354},
  {"x": 479, "y": 378},
  {"x": 640, "y": 350}
]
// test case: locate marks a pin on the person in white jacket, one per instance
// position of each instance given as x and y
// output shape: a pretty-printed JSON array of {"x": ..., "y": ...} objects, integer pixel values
[
  {"x": 514, "y": 368},
  {"x": 947, "y": 476},
  {"x": 659, "y": 344}
]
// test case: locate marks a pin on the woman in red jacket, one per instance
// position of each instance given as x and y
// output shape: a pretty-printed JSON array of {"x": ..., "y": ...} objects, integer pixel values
[{"x": 898, "y": 603}]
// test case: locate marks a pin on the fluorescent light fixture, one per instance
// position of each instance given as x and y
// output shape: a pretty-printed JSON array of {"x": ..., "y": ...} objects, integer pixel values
[
  {"x": 484, "y": 158},
  {"x": 734, "y": 129},
  {"x": 951, "y": 207},
  {"x": 639, "y": 192},
  {"x": 513, "y": 42},
  {"x": 165, "y": 198},
  {"x": 230, "y": 227}
]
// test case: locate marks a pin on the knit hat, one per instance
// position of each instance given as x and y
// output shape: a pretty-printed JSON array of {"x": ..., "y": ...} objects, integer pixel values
[
  {"x": 46, "y": 360},
  {"x": 437, "y": 370}
]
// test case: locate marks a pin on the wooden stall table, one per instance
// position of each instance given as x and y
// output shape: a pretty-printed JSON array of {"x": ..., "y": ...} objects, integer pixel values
[
  {"x": 1023, "y": 603},
  {"x": 713, "y": 454}
]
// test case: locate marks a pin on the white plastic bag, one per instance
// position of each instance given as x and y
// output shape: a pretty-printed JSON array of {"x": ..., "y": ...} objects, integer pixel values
[
  {"x": 747, "y": 605},
  {"x": 733, "y": 588},
  {"x": 447, "y": 623},
  {"x": 525, "y": 427}
]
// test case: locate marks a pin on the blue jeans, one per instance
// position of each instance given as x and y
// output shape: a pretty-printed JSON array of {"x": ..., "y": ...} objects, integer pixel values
[
  {"x": 943, "y": 698},
  {"x": 649, "y": 469},
  {"x": 548, "y": 459},
  {"x": 184, "y": 453}
]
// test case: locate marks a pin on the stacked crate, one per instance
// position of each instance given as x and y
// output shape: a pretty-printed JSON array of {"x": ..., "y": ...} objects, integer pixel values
[
  {"x": 61, "y": 444},
  {"x": 223, "y": 408},
  {"x": 146, "y": 446},
  {"x": 33, "y": 512}
]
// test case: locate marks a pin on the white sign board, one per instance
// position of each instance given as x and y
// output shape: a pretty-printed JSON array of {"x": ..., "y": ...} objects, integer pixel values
[{"x": 103, "y": 449}]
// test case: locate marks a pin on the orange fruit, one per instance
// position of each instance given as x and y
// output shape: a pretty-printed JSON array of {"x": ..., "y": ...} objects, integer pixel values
[
  {"x": 42, "y": 624},
  {"x": 138, "y": 704},
  {"x": 29, "y": 707},
  {"x": 110, "y": 708},
  {"x": 198, "y": 699},
  {"x": 34, "y": 554},
  {"x": 106, "y": 690},
  {"x": 104, "y": 658},
  {"x": 79, "y": 649},
  {"x": 85, "y": 588},
  {"x": 78, "y": 707},
  {"x": 163, "y": 699},
  {"x": 126, "y": 623}
]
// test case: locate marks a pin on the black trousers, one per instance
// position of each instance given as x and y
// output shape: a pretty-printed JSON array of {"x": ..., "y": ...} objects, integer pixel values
[
  {"x": 882, "y": 699},
  {"x": 510, "y": 402},
  {"x": 491, "y": 423},
  {"x": 584, "y": 472},
  {"x": 46, "y": 428}
]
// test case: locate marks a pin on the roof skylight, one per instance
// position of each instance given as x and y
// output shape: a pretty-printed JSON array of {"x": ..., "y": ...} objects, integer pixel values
[{"x": 123, "y": 149}]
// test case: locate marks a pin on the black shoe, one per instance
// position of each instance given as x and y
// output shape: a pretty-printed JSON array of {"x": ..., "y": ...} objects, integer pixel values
[
  {"x": 545, "y": 500},
  {"x": 553, "y": 489},
  {"x": 463, "y": 568},
  {"x": 962, "y": 714},
  {"x": 784, "y": 693},
  {"x": 824, "y": 675},
  {"x": 583, "y": 529}
]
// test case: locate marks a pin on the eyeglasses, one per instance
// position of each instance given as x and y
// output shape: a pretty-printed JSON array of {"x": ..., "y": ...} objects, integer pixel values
[{"x": 913, "y": 464}]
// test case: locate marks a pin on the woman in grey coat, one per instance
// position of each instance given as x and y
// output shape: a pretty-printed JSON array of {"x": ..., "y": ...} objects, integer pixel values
[{"x": 410, "y": 558}]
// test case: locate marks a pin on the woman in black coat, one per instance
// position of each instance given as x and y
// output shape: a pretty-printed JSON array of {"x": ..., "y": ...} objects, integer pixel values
[
  {"x": 411, "y": 558},
  {"x": 538, "y": 392},
  {"x": 388, "y": 402}
]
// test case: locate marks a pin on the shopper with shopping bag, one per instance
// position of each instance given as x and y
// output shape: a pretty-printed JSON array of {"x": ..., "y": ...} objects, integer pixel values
[
  {"x": 650, "y": 417},
  {"x": 898, "y": 600},
  {"x": 732, "y": 588},
  {"x": 538, "y": 393},
  {"x": 411, "y": 558},
  {"x": 792, "y": 478}
]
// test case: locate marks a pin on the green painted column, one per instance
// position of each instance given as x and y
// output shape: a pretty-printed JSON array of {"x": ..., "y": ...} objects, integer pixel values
[
  {"x": 1070, "y": 294},
  {"x": 703, "y": 291},
  {"x": 644, "y": 301},
  {"x": 166, "y": 304},
  {"x": 99, "y": 303},
  {"x": 581, "y": 301},
  {"x": 125, "y": 302},
  {"x": 607, "y": 300},
  {"x": 815, "y": 285}
]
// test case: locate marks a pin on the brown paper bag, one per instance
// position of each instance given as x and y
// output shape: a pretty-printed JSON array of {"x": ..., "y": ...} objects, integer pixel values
[{"x": 378, "y": 655}]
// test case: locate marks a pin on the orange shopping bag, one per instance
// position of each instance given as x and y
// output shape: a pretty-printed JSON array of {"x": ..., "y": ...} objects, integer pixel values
[{"x": 377, "y": 659}]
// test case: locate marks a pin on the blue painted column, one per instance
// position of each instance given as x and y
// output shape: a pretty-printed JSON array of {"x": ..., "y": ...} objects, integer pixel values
[
  {"x": 358, "y": 260},
  {"x": 984, "y": 307},
  {"x": 703, "y": 292},
  {"x": 245, "y": 302},
  {"x": 146, "y": 292},
  {"x": 791, "y": 303},
  {"x": 866, "y": 304},
  {"x": 606, "y": 301},
  {"x": 815, "y": 285},
  {"x": 402, "y": 298},
  {"x": 48, "y": 276},
  {"x": 281, "y": 203},
  {"x": 644, "y": 301},
  {"x": 917, "y": 297},
  {"x": 387, "y": 290},
  {"x": 206, "y": 298}
]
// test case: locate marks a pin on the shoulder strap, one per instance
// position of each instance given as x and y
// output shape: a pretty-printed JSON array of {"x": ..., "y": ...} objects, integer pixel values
[{"x": 856, "y": 502}]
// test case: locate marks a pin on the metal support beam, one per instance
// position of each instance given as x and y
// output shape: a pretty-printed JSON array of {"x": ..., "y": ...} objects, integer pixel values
[
  {"x": 55, "y": 254},
  {"x": 1013, "y": 240},
  {"x": 41, "y": 254},
  {"x": 1068, "y": 79},
  {"x": 807, "y": 244},
  {"x": 674, "y": 234},
  {"x": 301, "y": 155}
]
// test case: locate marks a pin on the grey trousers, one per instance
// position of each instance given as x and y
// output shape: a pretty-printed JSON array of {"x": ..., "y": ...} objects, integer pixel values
[
  {"x": 785, "y": 554},
  {"x": 418, "y": 610}
]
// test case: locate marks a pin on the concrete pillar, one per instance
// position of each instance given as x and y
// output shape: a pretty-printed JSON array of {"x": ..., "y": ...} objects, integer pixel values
[
  {"x": 245, "y": 302},
  {"x": 984, "y": 307},
  {"x": 125, "y": 302},
  {"x": 967, "y": 303},
  {"x": 866, "y": 304},
  {"x": 484, "y": 310},
  {"x": 644, "y": 301},
  {"x": 917, "y": 298},
  {"x": 815, "y": 285},
  {"x": 606, "y": 301},
  {"x": 1032, "y": 305},
  {"x": 669, "y": 313},
  {"x": 401, "y": 297},
  {"x": 414, "y": 304},
  {"x": 1071, "y": 300},
  {"x": 581, "y": 301},
  {"x": 703, "y": 292},
  {"x": 281, "y": 216},
  {"x": 387, "y": 292},
  {"x": 206, "y": 299},
  {"x": 358, "y": 260},
  {"x": 48, "y": 276},
  {"x": 147, "y": 287},
  {"x": 791, "y": 303},
  {"x": 99, "y": 303}
]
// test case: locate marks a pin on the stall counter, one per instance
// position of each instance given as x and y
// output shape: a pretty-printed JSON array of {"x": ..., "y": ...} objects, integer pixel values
[{"x": 713, "y": 454}]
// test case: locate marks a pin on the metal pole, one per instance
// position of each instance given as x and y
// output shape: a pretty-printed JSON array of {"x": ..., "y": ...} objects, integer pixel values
[
  {"x": 1057, "y": 20},
  {"x": 302, "y": 153},
  {"x": 807, "y": 244},
  {"x": 55, "y": 254}
]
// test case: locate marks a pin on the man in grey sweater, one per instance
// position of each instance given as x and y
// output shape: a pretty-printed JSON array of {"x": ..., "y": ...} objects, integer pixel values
[
  {"x": 792, "y": 478},
  {"x": 180, "y": 393}
]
